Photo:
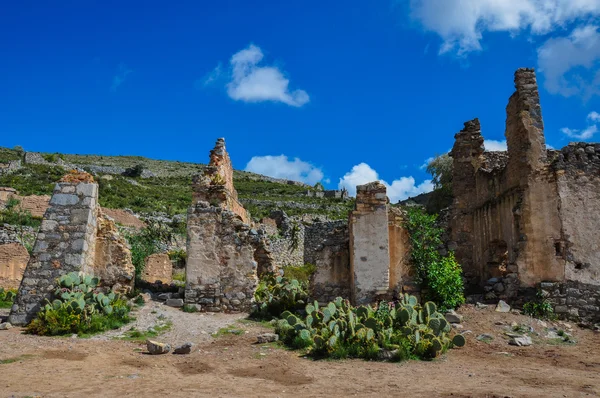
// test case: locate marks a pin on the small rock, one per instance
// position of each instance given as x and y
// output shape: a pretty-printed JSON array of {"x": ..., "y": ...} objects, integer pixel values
[
  {"x": 502, "y": 306},
  {"x": 157, "y": 348},
  {"x": 453, "y": 317},
  {"x": 457, "y": 326},
  {"x": 183, "y": 349},
  {"x": 515, "y": 312},
  {"x": 175, "y": 302},
  {"x": 522, "y": 341},
  {"x": 498, "y": 323},
  {"x": 387, "y": 355},
  {"x": 5, "y": 326},
  {"x": 490, "y": 296},
  {"x": 485, "y": 337},
  {"x": 499, "y": 287},
  {"x": 480, "y": 306},
  {"x": 267, "y": 338},
  {"x": 165, "y": 296}
]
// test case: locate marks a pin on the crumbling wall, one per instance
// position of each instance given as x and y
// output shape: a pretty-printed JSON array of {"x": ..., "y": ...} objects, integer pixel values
[
  {"x": 65, "y": 243},
  {"x": 326, "y": 246},
  {"x": 112, "y": 260},
  {"x": 401, "y": 271},
  {"x": 574, "y": 300},
  {"x": 224, "y": 259},
  {"x": 13, "y": 260},
  {"x": 369, "y": 244},
  {"x": 215, "y": 186},
  {"x": 225, "y": 256},
  {"x": 578, "y": 175},
  {"x": 158, "y": 267},
  {"x": 287, "y": 244}
]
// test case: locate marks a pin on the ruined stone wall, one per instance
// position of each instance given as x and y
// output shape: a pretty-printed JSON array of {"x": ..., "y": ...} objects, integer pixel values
[
  {"x": 158, "y": 267},
  {"x": 401, "y": 271},
  {"x": 369, "y": 244},
  {"x": 225, "y": 258},
  {"x": 326, "y": 247},
  {"x": 574, "y": 300},
  {"x": 112, "y": 257},
  {"x": 215, "y": 186},
  {"x": 287, "y": 243},
  {"x": 65, "y": 243},
  {"x": 578, "y": 180}
]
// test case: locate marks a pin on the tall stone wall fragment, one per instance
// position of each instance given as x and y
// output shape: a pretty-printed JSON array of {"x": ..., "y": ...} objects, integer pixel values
[
  {"x": 65, "y": 243},
  {"x": 13, "y": 261},
  {"x": 369, "y": 244}
]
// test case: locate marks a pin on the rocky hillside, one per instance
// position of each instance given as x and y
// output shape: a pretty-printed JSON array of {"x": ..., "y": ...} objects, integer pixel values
[{"x": 157, "y": 186}]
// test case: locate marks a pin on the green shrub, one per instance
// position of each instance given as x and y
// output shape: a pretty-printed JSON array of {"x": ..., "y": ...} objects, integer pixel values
[
  {"x": 146, "y": 242},
  {"x": 77, "y": 306},
  {"x": 7, "y": 296},
  {"x": 300, "y": 273},
  {"x": 540, "y": 307},
  {"x": 276, "y": 294},
  {"x": 439, "y": 276},
  {"x": 13, "y": 214},
  {"x": 338, "y": 330}
]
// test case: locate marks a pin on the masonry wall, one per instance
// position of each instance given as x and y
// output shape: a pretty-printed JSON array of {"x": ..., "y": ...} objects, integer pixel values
[
  {"x": 327, "y": 247},
  {"x": 65, "y": 243},
  {"x": 369, "y": 244},
  {"x": 13, "y": 260},
  {"x": 401, "y": 272}
]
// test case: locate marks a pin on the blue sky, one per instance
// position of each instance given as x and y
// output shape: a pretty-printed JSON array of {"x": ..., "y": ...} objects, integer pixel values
[{"x": 338, "y": 92}]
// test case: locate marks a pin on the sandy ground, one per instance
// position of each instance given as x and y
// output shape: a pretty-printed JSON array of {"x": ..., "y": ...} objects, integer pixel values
[{"x": 234, "y": 366}]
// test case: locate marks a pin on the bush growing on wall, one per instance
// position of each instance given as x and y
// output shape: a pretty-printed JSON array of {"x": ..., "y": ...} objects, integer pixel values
[
  {"x": 440, "y": 276},
  {"x": 150, "y": 240}
]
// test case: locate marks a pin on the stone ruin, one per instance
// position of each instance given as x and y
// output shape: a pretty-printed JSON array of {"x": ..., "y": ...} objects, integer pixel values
[
  {"x": 528, "y": 217},
  {"x": 225, "y": 255},
  {"x": 74, "y": 236}
]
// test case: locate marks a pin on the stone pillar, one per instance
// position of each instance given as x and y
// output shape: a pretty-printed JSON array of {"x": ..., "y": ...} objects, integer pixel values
[
  {"x": 64, "y": 243},
  {"x": 524, "y": 129},
  {"x": 369, "y": 243},
  {"x": 467, "y": 155}
]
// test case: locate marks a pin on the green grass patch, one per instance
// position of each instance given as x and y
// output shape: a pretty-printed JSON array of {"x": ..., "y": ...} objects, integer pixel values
[
  {"x": 15, "y": 359},
  {"x": 138, "y": 335},
  {"x": 227, "y": 331},
  {"x": 301, "y": 273}
]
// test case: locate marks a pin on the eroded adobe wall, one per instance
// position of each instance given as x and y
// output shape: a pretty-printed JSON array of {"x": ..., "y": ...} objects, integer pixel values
[
  {"x": 13, "y": 261},
  {"x": 65, "y": 243},
  {"x": 326, "y": 247},
  {"x": 369, "y": 244},
  {"x": 401, "y": 271},
  {"x": 578, "y": 174}
]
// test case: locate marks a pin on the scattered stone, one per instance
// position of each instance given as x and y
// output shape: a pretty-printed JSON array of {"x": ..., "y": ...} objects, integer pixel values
[
  {"x": 515, "y": 312},
  {"x": 183, "y": 349},
  {"x": 457, "y": 326},
  {"x": 165, "y": 296},
  {"x": 499, "y": 323},
  {"x": 267, "y": 338},
  {"x": 175, "y": 302},
  {"x": 157, "y": 348},
  {"x": 453, "y": 317},
  {"x": 480, "y": 306},
  {"x": 502, "y": 306},
  {"x": 486, "y": 338},
  {"x": 5, "y": 326},
  {"x": 521, "y": 341},
  {"x": 387, "y": 355},
  {"x": 499, "y": 287}
]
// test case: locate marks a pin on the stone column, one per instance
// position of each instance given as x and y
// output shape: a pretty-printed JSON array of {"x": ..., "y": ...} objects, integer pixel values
[
  {"x": 64, "y": 243},
  {"x": 369, "y": 243}
]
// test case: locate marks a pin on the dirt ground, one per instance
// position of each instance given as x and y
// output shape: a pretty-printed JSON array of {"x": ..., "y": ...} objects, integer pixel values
[{"x": 232, "y": 365}]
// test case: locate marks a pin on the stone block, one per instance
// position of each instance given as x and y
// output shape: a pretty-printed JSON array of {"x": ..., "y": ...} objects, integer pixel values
[
  {"x": 64, "y": 199},
  {"x": 174, "y": 302},
  {"x": 89, "y": 190}
]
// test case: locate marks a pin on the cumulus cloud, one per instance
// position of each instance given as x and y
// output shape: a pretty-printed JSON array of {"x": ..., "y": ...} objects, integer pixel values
[
  {"x": 493, "y": 145},
  {"x": 282, "y": 167},
  {"x": 122, "y": 72},
  {"x": 398, "y": 190},
  {"x": 570, "y": 63},
  {"x": 462, "y": 23},
  {"x": 250, "y": 82},
  {"x": 592, "y": 119}
]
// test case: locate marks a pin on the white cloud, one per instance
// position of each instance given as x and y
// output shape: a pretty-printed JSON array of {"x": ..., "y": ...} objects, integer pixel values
[
  {"x": 592, "y": 118},
  {"x": 493, "y": 145},
  {"x": 249, "y": 82},
  {"x": 398, "y": 190},
  {"x": 568, "y": 63},
  {"x": 462, "y": 23},
  {"x": 120, "y": 77},
  {"x": 282, "y": 167},
  {"x": 427, "y": 161}
]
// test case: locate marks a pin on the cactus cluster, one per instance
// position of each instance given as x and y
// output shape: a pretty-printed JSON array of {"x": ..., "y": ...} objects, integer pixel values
[
  {"x": 276, "y": 294},
  {"x": 420, "y": 330}
]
